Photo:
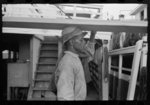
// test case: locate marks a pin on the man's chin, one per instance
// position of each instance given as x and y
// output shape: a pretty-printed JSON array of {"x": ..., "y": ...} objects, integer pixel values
[{"x": 83, "y": 54}]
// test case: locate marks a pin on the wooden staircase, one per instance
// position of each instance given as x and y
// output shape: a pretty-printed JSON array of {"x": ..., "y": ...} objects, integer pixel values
[{"x": 40, "y": 89}]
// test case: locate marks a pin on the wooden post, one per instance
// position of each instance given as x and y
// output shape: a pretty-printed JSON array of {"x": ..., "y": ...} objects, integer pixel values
[
  {"x": 135, "y": 68},
  {"x": 119, "y": 78},
  {"x": 30, "y": 69},
  {"x": 109, "y": 70},
  {"x": 144, "y": 53},
  {"x": 122, "y": 37},
  {"x": 104, "y": 73},
  {"x": 8, "y": 89}
]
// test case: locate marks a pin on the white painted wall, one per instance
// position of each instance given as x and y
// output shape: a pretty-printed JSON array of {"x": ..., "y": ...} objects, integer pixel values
[
  {"x": 138, "y": 15},
  {"x": 145, "y": 13}
]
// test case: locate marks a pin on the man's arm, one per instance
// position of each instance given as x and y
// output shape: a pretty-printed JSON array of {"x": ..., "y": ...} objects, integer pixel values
[
  {"x": 90, "y": 46},
  {"x": 92, "y": 37},
  {"x": 65, "y": 84}
]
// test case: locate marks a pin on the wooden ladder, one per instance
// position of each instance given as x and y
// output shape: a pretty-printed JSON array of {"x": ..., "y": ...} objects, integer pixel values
[{"x": 40, "y": 89}]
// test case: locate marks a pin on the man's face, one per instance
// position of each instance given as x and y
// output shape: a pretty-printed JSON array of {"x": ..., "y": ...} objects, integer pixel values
[{"x": 79, "y": 43}]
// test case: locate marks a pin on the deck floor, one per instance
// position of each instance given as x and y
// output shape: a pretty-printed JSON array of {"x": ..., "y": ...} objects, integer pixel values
[{"x": 91, "y": 92}]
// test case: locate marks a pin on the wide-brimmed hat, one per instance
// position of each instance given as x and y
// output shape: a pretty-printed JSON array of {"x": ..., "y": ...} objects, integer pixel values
[{"x": 70, "y": 32}]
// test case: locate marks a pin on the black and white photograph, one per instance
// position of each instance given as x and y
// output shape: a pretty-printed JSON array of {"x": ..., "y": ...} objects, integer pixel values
[{"x": 74, "y": 51}]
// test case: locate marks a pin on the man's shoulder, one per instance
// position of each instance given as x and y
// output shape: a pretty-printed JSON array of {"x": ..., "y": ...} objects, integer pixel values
[{"x": 67, "y": 59}]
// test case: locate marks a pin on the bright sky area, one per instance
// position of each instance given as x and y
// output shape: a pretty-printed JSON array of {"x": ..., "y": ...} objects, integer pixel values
[{"x": 114, "y": 9}]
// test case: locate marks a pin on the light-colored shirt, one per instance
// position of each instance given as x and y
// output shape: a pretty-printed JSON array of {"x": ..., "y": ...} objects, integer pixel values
[{"x": 70, "y": 79}]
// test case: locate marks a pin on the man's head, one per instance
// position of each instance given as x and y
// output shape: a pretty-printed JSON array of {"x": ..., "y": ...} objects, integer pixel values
[{"x": 73, "y": 38}]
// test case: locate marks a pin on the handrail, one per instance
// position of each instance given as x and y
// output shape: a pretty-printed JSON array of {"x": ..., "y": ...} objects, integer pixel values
[{"x": 122, "y": 51}]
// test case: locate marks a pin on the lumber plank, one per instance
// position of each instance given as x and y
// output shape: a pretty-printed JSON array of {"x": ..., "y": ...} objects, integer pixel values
[
  {"x": 135, "y": 69},
  {"x": 122, "y": 50},
  {"x": 98, "y": 25}
]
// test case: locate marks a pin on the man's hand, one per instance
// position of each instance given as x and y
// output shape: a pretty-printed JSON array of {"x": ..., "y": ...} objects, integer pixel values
[
  {"x": 93, "y": 32},
  {"x": 92, "y": 37}
]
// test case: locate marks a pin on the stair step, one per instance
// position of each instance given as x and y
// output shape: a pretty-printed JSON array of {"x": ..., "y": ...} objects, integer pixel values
[
  {"x": 53, "y": 57},
  {"x": 49, "y": 47},
  {"x": 47, "y": 95},
  {"x": 49, "y": 42},
  {"x": 43, "y": 76},
  {"x": 46, "y": 68},
  {"x": 47, "y": 63},
  {"x": 50, "y": 38},
  {"x": 43, "y": 99},
  {"x": 45, "y": 80},
  {"x": 42, "y": 84},
  {"x": 46, "y": 71},
  {"x": 49, "y": 53},
  {"x": 40, "y": 89},
  {"x": 43, "y": 94},
  {"x": 47, "y": 60}
]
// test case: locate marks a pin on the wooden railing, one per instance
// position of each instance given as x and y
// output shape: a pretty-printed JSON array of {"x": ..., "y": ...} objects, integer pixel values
[{"x": 118, "y": 76}]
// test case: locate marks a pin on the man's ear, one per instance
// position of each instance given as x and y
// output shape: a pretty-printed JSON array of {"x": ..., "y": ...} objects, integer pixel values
[{"x": 71, "y": 42}]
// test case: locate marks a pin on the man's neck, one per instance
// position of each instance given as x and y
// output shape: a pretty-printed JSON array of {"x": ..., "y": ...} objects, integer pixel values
[{"x": 73, "y": 50}]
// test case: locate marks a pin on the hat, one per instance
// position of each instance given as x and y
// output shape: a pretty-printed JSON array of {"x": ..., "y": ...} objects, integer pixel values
[{"x": 70, "y": 32}]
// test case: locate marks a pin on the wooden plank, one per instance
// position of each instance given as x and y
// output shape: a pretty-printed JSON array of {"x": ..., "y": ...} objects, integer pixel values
[
  {"x": 123, "y": 76},
  {"x": 99, "y": 25},
  {"x": 126, "y": 69},
  {"x": 135, "y": 68},
  {"x": 105, "y": 73},
  {"x": 83, "y": 5},
  {"x": 119, "y": 82},
  {"x": 122, "y": 51},
  {"x": 43, "y": 99},
  {"x": 115, "y": 67}
]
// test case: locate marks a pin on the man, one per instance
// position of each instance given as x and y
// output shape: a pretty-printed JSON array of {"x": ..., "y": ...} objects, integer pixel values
[{"x": 69, "y": 76}]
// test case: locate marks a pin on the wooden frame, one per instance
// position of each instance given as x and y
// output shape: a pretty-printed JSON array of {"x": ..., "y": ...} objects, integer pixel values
[
  {"x": 59, "y": 24},
  {"x": 135, "y": 68},
  {"x": 136, "y": 60}
]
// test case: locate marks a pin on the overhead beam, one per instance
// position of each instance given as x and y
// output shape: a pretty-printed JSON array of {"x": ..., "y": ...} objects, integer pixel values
[
  {"x": 87, "y": 25},
  {"x": 84, "y": 6}
]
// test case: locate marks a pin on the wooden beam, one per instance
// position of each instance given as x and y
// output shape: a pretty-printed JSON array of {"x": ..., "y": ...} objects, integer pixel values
[
  {"x": 87, "y": 25},
  {"x": 135, "y": 69},
  {"x": 125, "y": 50},
  {"x": 84, "y": 6}
]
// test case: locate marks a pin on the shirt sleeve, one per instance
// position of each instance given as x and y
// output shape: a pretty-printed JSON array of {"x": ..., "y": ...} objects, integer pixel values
[{"x": 65, "y": 83}]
